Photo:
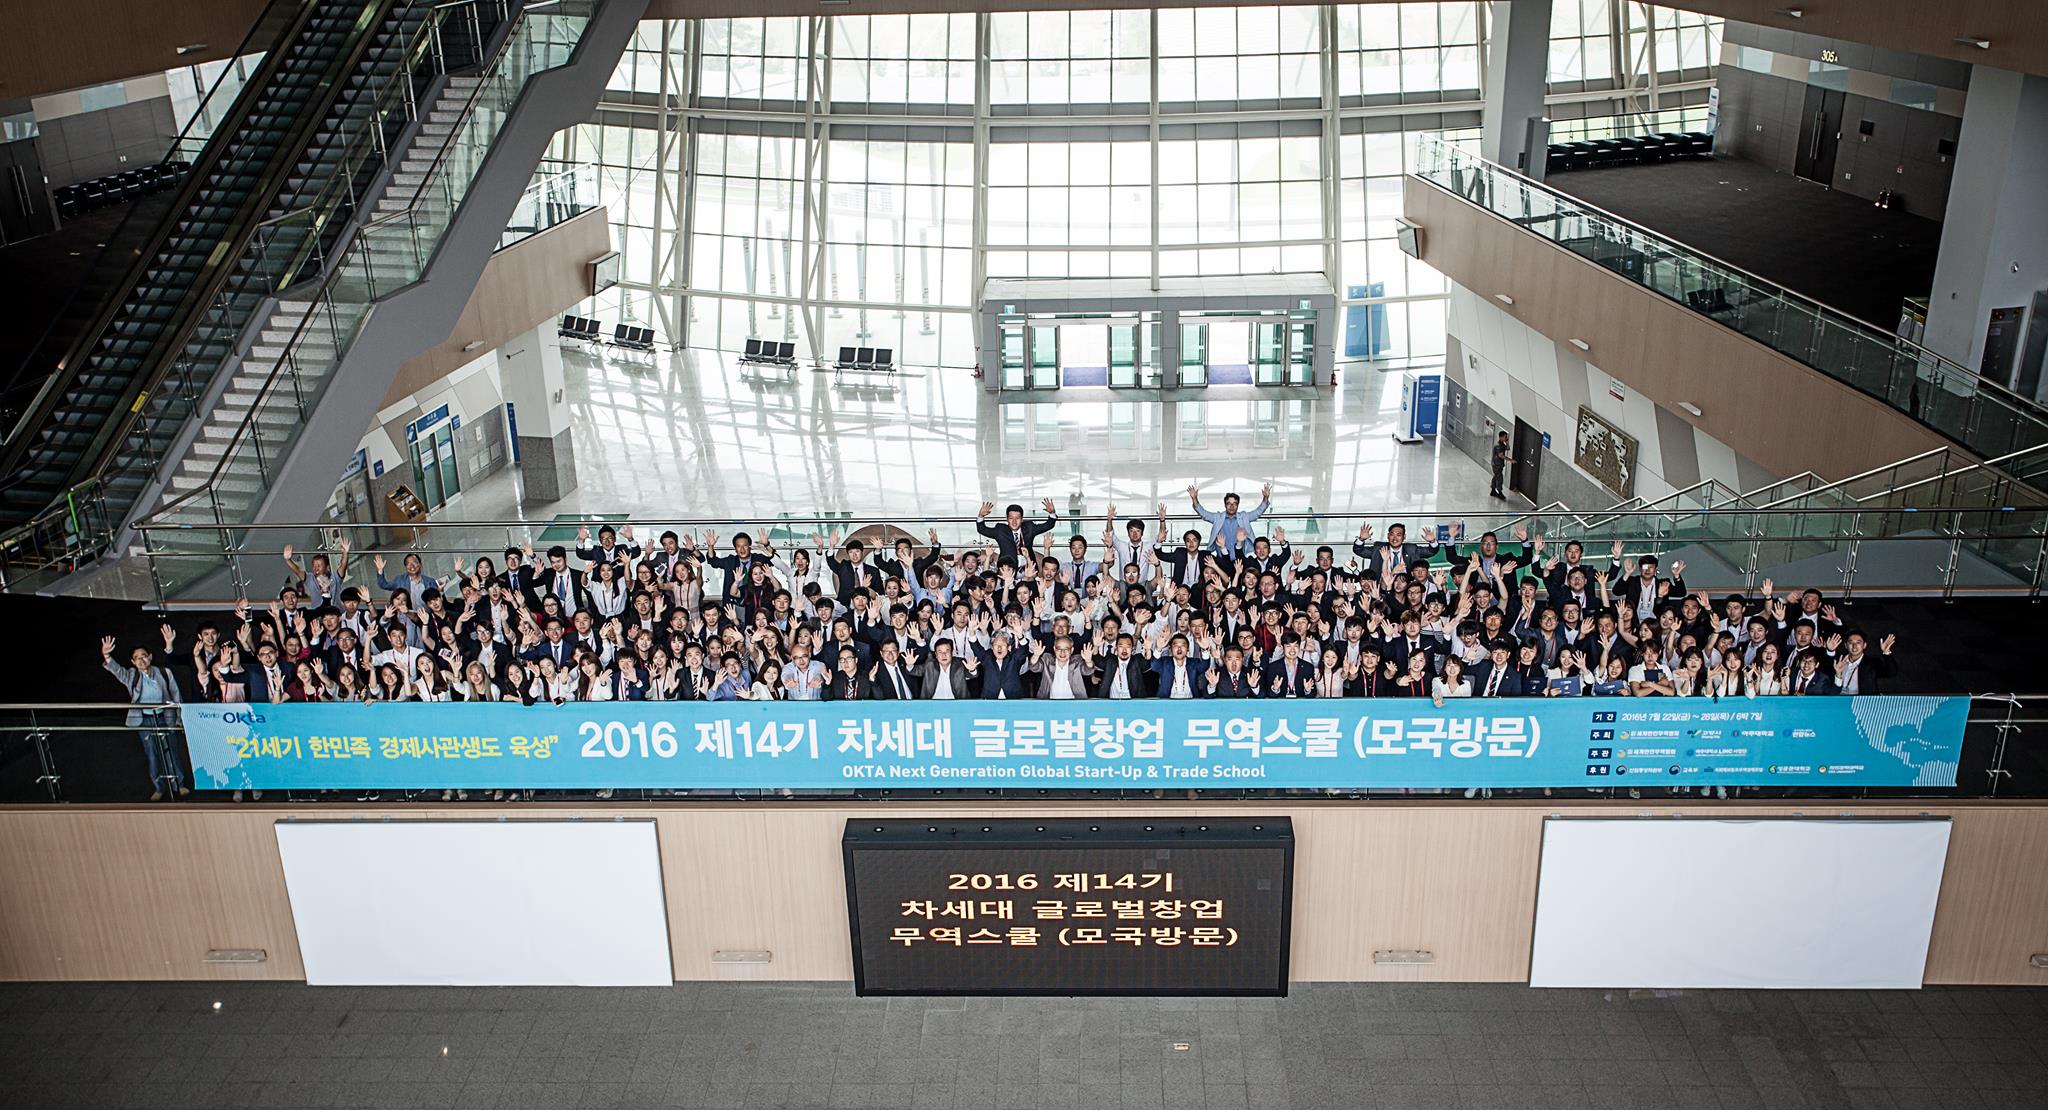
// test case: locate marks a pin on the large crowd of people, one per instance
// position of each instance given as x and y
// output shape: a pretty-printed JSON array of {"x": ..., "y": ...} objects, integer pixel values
[{"x": 1127, "y": 611}]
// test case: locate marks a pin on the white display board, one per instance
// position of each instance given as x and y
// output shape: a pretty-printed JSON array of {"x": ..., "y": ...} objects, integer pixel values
[
  {"x": 477, "y": 903},
  {"x": 1686, "y": 902}
]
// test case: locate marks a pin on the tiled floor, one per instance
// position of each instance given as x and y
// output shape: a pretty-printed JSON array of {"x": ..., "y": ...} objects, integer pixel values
[
  {"x": 1411, "y": 1047},
  {"x": 690, "y": 435}
]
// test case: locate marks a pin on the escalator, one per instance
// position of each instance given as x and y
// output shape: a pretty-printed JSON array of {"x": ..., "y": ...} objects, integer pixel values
[{"x": 182, "y": 303}]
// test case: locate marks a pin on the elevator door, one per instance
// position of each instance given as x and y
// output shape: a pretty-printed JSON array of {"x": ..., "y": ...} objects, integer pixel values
[{"x": 1820, "y": 135}]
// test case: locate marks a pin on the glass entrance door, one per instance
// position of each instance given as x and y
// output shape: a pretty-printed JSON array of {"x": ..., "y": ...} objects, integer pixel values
[
  {"x": 1123, "y": 356},
  {"x": 1045, "y": 357},
  {"x": 1012, "y": 332},
  {"x": 1194, "y": 354},
  {"x": 1301, "y": 352},
  {"x": 1269, "y": 355},
  {"x": 433, "y": 467}
]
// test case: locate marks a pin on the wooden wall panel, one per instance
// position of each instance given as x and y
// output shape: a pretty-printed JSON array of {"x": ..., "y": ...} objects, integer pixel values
[
  {"x": 54, "y": 45},
  {"x": 141, "y": 893},
  {"x": 1786, "y": 416},
  {"x": 527, "y": 285}
]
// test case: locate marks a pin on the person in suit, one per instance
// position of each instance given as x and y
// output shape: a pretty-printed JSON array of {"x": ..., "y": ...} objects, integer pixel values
[
  {"x": 1121, "y": 674},
  {"x": 268, "y": 679},
  {"x": 998, "y": 668},
  {"x": 738, "y": 565},
  {"x": 1809, "y": 677},
  {"x": 851, "y": 573},
  {"x": 889, "y": 679},
  {"x": 1176, "y": 674},
  {"x": 608, "y": 548},
  {"x": 1233, "y": 679},
  {"x": 694, "y": 680},
  {"x": 1230, "y": 531},
  {"x": 845, "y": 683},
  {"x": 1643, "y": 592},
  {"x": 1860, "y": 671},
  {"x": 943, "y": 677},
  {"x": 1495, "y": 676},
  {"x": 561, "y": 581},
  {"x": 1409, "y": 640},
  {"x": 520, "y": 580},
  {"x": 907, "y": 564},
  {"x": 147, "y": 683},
  {"x": 1015, "y": 535},
  {"x": 1395, "y": 554},
  {"x": 1062, "y": 672},
  {"x": 1290, "y": 676}
]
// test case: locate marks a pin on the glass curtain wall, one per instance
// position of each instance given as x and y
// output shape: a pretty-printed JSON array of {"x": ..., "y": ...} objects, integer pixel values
[{"x": 849, "y": 181}]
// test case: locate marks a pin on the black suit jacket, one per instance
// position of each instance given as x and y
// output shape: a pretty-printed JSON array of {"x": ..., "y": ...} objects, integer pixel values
[
  {"x": 1138, "y": 676},
  {"x": 881, "y": 688}
]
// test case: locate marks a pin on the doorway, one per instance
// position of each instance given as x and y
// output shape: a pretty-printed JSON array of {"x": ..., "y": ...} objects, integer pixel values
[
  {"x": 1820, "y": 135},
  {"x": 435, "y": 475},
  {"x": 1526, "y": 467}
]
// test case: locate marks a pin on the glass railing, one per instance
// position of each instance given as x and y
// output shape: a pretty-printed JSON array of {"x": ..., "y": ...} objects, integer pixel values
[
  {"x": 86, "y": 752},
  {"x": 558, "y": 194},
  {"x": 1980, "y": 415},
  {"x": 383, "y": 257},
  {"x": 1630, "y": 124},
  {"x": 1992, "y": 550}
]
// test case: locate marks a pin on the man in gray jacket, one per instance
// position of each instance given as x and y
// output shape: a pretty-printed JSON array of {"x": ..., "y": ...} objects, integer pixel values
[
  {"x": 149, "y": 684},
  {"x": 1062, "y": 673}
]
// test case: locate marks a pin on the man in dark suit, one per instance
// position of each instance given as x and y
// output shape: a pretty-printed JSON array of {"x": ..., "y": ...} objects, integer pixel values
[
  {"x": 562, "y": 581},
  {"x": 1015, "y": 535},
  {"x": 1396, "y": 553},
  {"x": 999, "y": 668},
  {"x": 1290, "y": 676},
  {"x": 1495, "y": 675},
  {"x": 267, "y": 679},
  {"x": 851, "y": 573},
  {"x": 1644, "y": 592},
  {"x": 889, "y": 679},
  {"x": 1121, "y": 674},
  {"x": 1176, "y": 674},
  {"x": 845, "y": 683},
  {"x": 1860, "y": 671},
  {"x": 1409, "y": 640},
  {"x": 1808, "y": 676},
  {"x": 1233, "y": 679},
  {"x": 520, "y": 579}
]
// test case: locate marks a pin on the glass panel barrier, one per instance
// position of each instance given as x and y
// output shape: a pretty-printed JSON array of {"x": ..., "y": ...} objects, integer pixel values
[{"x": 1979, "y": 414}]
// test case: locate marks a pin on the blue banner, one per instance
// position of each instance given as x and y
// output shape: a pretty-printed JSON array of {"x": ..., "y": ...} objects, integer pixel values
[{"x": 1132, "y": 745}]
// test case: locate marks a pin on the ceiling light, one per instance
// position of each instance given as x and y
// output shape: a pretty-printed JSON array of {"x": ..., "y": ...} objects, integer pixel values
[
  {"x": 1580, "y": 344},
  {"x": 191, "y": 48},
  {"x": 1691, "y": 408},
  {"x": 1972, "y": 40},
  {"x": 1792, "y": 13},
  {"x": 472, "y": 345},
  {"x": 1503, "y": 298}
]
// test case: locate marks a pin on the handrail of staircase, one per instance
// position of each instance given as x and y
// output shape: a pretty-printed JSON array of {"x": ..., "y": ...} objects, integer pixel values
[
  {"x": 368, "y": 130},
  {"x": 1779, "y": 289},
  {"x": 80, "y": 350},
  {"x": 513, "y": 13}
]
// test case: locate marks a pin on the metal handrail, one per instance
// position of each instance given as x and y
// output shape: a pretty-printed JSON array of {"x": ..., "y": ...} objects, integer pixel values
[
  {"x": 2017, "y": 401},
  {"x": 270, "y": 383}
]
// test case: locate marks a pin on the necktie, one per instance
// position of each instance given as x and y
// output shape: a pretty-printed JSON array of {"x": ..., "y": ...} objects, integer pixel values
[
  {"x": 902, "y": 693},
  {"x": 1493, "y": 684}
]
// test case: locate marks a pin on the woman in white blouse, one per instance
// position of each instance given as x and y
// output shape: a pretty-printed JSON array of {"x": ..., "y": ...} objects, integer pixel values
[
  {"x": 427, "y": 683},
  {"x": 608, "y": 591},
  {"x": 1450, "y": 684}
]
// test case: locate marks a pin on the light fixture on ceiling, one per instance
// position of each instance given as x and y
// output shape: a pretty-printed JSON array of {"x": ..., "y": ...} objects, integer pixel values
[
  {"x": 472, "y": 345},
  {"x": 1503, "y": 298},
  {"x": 1792, "y": 13},
  {"x": 1691, "y": 408},
  {"x": 1580, "y": 344},
  {"x": 190, "y": 48},
  {"x": 1972, "y": 40}
]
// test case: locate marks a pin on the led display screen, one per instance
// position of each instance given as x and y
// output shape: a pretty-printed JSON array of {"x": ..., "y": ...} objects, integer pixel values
[{"x": 1104, "y": 906}]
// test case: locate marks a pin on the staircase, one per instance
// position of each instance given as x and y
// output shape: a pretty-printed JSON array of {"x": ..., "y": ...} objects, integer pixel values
[{"x": 280, "y": 328}]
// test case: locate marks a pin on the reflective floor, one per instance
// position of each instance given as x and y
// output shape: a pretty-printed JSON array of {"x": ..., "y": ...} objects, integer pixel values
[{"x": 693, "y": 434}]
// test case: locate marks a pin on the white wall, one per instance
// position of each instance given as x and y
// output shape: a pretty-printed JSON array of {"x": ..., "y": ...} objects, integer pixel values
[{"x": 473, "y": 391}]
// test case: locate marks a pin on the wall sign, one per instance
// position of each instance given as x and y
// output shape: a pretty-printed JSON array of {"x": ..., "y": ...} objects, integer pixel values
[
  {"x": 1131, "y": 906},
  {"x": 1606, "y": 452}
]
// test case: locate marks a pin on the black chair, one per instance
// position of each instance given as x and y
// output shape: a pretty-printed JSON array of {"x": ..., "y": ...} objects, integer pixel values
[
  {"x": 864, "y": 358},
  {"x": 753, "y": 351},
  {"x": 571, "y": 328},
  {"x": 785, "y": 353},
  {"x": 884, "y": 357},
  {"x": 846, "y": 359}
]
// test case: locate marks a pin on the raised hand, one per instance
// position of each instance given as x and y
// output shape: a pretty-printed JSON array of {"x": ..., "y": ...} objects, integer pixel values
[
  {"x": 1364, "y": 533},
  {"x": 1193, "y": 495},
  {"x": 1678, "y": 568},
  {"x": 1617, "y": 549},
  {"x": 107, "y": 646},
  {"x": 933, "y": 536},
  {"x": 287, "y": 553},
  {"x": 1049, "y": 506},
  {"x": 377, "y": 561},
  {"x": 170, "y": 634},
  {"x": 1885, "y": 645},
  {"x": 1266, "y": 491},
  {"x": 987, "y": 507},
  {"x": 1828, "y": 613}
]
